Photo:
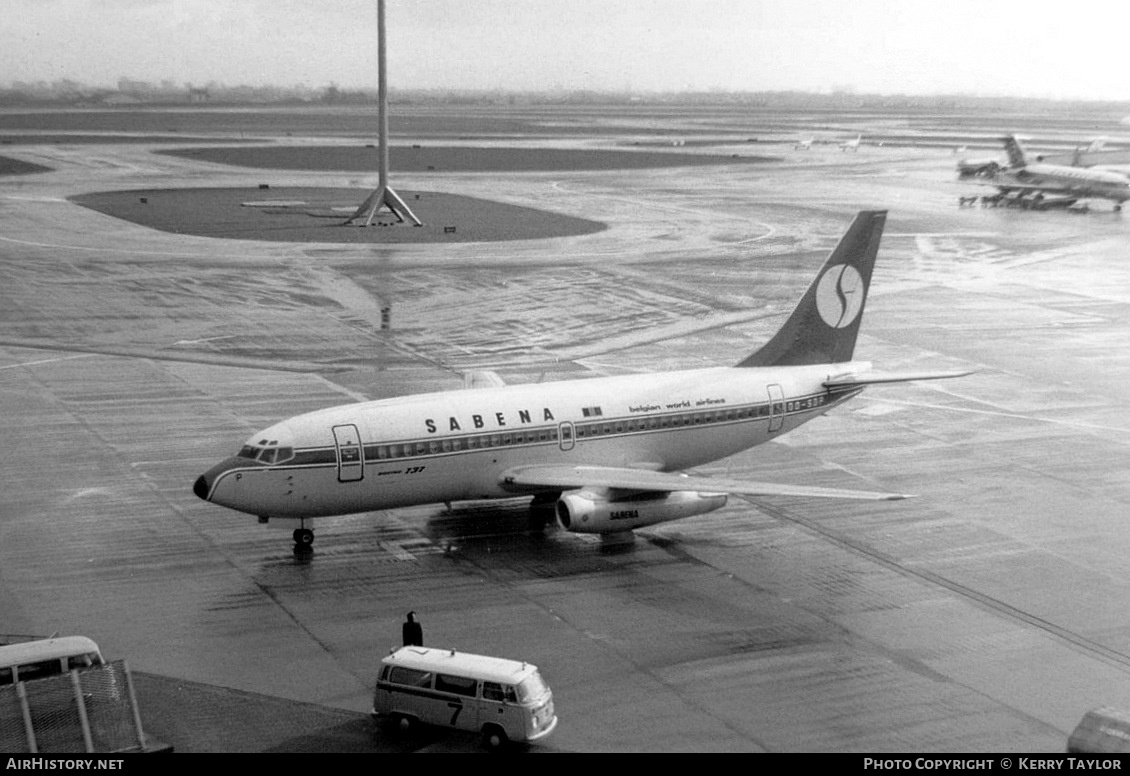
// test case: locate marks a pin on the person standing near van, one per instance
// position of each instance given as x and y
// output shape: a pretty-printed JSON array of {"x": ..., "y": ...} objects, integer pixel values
[{"x": 412, "y": 632}]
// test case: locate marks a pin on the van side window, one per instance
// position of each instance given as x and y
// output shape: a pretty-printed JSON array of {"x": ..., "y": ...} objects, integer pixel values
[
  {"x": 410, "y": 677},
  {"x": 5, "y": 676},
  {"x": 492, "y": 691},
  {"x": 459, "y": 685},
  {"x": 30, "y": 671}
]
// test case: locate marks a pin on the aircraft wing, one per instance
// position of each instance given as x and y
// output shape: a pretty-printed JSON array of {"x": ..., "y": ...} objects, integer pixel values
[
  {"x": 482, "y": 378},
  {"x": 986, "y": 180},
  {"x": 878, "y": 378},
  {"x": 542, "y": 477}
]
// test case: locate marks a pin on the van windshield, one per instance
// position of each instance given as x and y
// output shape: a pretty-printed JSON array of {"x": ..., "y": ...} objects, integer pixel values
[
  {"x": 84, "y": 661},
  {"x": 531, "y": 688}
]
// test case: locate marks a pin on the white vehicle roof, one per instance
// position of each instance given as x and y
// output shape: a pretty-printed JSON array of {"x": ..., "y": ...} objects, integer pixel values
[
  {"x": 449, "y": 661},
  {"x": 45, "y": 649}
]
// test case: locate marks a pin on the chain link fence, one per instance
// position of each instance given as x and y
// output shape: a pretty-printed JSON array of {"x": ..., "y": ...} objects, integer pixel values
[{"x": 86, "y": 710}]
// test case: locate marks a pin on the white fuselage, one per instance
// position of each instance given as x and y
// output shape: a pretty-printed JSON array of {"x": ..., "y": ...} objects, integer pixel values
[
  {"x": 455, "y": 446},
  {"x": 1077, "y": 181}
]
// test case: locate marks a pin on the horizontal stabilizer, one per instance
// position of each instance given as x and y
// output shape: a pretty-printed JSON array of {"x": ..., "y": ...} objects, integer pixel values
[
  {"x": 534, "y": 478},
  {"x": 878, "y": 378}
]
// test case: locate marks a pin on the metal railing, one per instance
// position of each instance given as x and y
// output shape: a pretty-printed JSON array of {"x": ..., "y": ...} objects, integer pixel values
[{"x": 84, "y": 710}]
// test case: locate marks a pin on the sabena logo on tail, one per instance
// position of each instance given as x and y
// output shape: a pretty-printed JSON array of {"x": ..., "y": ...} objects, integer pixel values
[{"x": 839, "y": 295}]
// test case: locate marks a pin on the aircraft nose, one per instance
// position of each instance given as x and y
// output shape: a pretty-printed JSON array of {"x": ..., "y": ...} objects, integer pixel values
[
  {"x": 217, "y": 487},
  {"x": 202, "y": 487}
]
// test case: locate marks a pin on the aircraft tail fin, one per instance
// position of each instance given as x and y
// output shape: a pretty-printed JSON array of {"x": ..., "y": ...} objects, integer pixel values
[
  {"x": 823, "y": 327},
  {"x": 1016, "y": 155}
]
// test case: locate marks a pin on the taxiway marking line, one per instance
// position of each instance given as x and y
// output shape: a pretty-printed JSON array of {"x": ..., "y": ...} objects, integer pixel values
[
  {"x": 1001, "y": 414},
  {"x": 132, "y": 252},
  {"x": 769, "y": 229},
  {"x": 205, "y": 339},
  {"x": 49, "y": 360}
]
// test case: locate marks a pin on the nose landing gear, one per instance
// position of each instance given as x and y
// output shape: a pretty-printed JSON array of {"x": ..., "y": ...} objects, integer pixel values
[
  {"x": 303, "y": 536},
  {"x": 303, "y": 539}
]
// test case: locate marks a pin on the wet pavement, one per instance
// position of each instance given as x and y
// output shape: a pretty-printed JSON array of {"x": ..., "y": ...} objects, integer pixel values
[{"x": 988, "y": 614}]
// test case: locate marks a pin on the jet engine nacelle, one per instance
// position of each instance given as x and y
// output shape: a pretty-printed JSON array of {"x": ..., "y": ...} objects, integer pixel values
[{"x": 587, "y": 513}]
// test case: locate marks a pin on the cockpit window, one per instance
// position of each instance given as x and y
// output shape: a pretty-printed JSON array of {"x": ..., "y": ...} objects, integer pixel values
[
  {"x": 276, "y": 455},
  {"x": 268, "y": 455}
]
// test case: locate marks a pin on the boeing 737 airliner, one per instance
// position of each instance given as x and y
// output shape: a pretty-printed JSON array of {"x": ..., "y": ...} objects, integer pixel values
[{"x": 606, "y": 451}]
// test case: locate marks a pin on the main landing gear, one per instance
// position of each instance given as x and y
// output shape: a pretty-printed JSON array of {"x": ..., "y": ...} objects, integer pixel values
[
  {"x": 617, "y": 540},
  {"x": 543, "y": 511}
]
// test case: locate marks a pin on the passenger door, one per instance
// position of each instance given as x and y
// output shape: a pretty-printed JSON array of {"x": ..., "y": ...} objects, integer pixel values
[
  {"x": 776, "y": 407},
  {"x": 350, "y": 453},
  {"x": 565, "y": 436},
  {"x": 461, "y": 707},
  {"x": 499, "y": 707}
]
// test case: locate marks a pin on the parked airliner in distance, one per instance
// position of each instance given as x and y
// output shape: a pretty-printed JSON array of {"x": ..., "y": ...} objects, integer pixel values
[
  {"x": 851, "y": 145},
  {"x": 605, "y": 452},
  {"x": 1040, "y": 185}
]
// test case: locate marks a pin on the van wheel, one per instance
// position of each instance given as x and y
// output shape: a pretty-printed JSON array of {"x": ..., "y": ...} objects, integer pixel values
[{"x": 494, "y": 737}]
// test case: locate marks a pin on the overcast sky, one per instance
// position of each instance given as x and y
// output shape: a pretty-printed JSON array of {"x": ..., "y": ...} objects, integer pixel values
[{"x": 1063, "y": 49}]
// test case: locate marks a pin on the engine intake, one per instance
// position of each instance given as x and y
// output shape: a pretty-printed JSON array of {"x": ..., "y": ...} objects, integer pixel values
[{"x": 586, "y": 513}]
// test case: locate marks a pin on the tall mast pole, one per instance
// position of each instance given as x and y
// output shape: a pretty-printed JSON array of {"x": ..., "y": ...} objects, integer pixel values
[
  {"x": 382, "y": 93},
  {"x": 384, "y": 196}
]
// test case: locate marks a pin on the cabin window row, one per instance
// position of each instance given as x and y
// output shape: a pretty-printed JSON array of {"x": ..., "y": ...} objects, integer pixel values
[
  {"x": 589, "y": 430},
  {"x": 659, "y": 422},
  {"x": 457, "y": 444}
]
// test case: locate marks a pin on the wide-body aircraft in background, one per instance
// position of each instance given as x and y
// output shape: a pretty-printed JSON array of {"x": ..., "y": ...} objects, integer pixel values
[{"x": 607, "y": 453}]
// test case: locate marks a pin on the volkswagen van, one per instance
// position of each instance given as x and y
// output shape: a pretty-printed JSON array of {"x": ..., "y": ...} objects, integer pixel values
[{"x": 503, "y": 700}]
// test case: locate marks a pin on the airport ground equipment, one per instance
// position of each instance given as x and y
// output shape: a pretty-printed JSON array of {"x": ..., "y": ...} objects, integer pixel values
[
  {"x": 1104, "y": 730},
  {"x": 503, "y": 700}
]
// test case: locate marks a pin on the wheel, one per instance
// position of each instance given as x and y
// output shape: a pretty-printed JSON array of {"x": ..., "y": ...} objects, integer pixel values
[
  {"x": 494, "y": 737},
  {"x": 403, "y": 723},
  {"x": 303, "y": 538}
]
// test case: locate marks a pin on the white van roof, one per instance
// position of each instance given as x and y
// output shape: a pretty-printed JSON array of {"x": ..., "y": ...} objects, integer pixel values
[
  {"x": 45, "y": 649},
  {"x": 491, "y": 669}
]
